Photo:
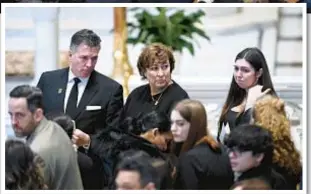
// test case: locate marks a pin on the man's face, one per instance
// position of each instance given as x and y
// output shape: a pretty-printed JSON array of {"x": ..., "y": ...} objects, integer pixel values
[
  {"x": 128, "y": 180},
  {"x": 83, "y": 60},
  {"x": 242, "y": 161},
  {"x": 23, "y": 121}
]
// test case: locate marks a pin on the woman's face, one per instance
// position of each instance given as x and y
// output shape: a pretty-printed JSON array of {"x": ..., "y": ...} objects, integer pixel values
[
  {"x": 179, "y": 127},
  {"x": 159, "y": 75},
  {"x": 244, "y": 74}
]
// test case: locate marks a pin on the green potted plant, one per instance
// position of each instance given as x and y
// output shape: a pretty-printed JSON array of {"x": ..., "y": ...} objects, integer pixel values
[{"x": 171, "y": 26}]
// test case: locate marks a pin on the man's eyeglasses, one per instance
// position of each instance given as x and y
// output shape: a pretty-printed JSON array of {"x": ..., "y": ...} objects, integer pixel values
[{"x": 236, "y": 151}]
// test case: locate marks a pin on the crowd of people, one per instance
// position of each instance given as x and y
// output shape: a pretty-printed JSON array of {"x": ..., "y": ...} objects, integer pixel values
[{"x": 80, "y": 134}]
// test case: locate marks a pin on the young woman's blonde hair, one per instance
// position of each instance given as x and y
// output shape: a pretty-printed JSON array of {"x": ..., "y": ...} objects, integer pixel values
[{"x": 269, "y": 112}]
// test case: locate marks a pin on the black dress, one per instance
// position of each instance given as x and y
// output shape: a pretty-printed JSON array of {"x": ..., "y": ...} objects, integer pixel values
[
  {"x": 140, "y": 101},
  {"x": 234, "y": 119},
  {"x": 202, "y": 168}
]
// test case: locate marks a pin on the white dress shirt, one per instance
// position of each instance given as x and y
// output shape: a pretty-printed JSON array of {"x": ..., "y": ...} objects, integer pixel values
[{"x": 70, "y": 83}]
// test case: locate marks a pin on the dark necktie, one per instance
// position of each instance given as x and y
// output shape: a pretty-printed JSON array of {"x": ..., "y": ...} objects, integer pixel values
[{"x": 73, "y": 98}]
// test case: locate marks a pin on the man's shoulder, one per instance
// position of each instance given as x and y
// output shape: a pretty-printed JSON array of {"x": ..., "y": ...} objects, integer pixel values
[
  {"x": 50, "y": 135},
  {"x": 56, "y": 72},
  {"x": 50, "y": 141}
]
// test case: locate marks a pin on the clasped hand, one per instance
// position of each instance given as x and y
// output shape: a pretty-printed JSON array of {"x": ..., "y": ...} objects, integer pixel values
[{"x": 80, "y": 138}]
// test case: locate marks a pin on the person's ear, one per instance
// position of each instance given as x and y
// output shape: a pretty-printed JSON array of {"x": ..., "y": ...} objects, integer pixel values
[
  {"x": 155, "y": 131},
  {"x": 259, "y": 158},
  {"x": 38, "y": 114},
  {"x": 150, "y": 135},
  {"x": 150, "y": 186},
  {"x": 259, "y": 73},
  {"x": 145, "y": 73},
  {"x": 70, "y": 56}
]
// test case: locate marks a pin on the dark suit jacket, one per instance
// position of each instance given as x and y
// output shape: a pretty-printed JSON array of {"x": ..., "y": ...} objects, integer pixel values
[{"x": 100, "y": 91}]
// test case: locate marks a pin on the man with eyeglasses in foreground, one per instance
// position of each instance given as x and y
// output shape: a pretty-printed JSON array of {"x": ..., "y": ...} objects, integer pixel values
[{"x": 250, "y": 150}]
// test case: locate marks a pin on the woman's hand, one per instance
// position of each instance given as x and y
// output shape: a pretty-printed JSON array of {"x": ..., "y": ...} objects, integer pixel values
[{"x": 254, "y": 94}]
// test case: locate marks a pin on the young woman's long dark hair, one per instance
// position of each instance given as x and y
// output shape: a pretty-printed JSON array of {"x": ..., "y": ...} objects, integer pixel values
[
  {"x": 22, "y": 167},
  {"x": 236, "y": 95}
]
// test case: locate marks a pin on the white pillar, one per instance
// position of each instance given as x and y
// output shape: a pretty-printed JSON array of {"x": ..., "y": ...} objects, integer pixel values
[
  {"x": 46, "y": 50},
  {"x": 269, "y": 42}
]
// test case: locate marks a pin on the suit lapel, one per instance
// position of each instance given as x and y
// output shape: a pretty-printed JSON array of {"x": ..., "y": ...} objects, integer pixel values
[
  {"x": 89, "y": 92},
  {"x": 60, "y": 89}
]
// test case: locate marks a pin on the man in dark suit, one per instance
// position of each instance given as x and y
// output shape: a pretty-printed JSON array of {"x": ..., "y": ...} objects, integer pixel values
[{"x": 91, "y": 99}]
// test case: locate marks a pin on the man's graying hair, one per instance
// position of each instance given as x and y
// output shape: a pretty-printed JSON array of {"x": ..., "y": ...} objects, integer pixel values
[
  {"x": 32, "y": 94},
  {"x": 84, "y": 36}
]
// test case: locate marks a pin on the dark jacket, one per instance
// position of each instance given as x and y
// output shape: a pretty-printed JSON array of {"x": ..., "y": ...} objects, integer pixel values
[
  {"x": 291, "y": 179},
  {"x": 268, "y": 174},
  {"x": 112, "y": 142},
  {"x": 100, "y": 91},
  {"x": 202, "y": 168}
]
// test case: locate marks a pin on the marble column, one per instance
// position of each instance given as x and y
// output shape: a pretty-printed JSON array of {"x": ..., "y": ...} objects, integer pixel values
[{"x": 46, "y": 46}]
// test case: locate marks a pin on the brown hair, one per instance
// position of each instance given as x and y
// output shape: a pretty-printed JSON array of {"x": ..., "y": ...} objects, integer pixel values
[
  {"x": 194, "y": 112},
  {"x": 252, "y": 184},
  {"x": 269, "y": 112},
  {"x": 154, "y": 54},
  {"x": 23, "y": 168}
]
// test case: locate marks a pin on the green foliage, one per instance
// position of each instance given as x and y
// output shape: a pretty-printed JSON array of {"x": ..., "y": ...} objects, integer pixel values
[{"x": 176, "y": 30}]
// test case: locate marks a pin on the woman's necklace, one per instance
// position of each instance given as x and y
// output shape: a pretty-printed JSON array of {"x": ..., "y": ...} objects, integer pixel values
[{"x": 157, "y": 101}]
